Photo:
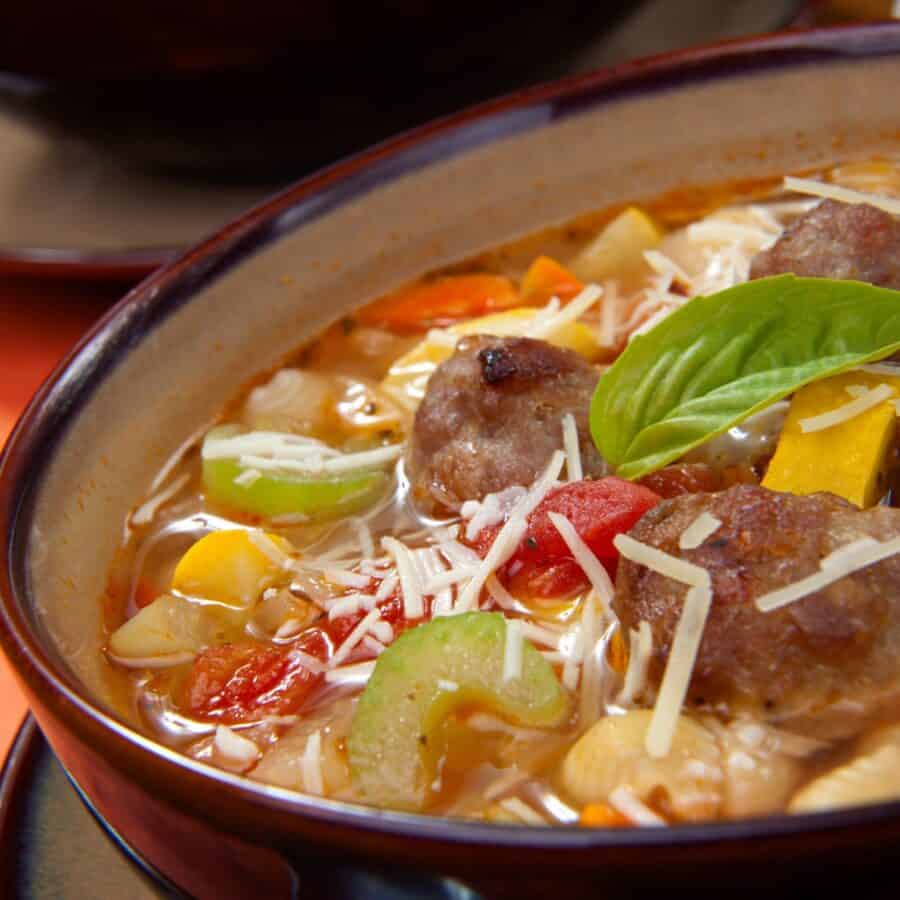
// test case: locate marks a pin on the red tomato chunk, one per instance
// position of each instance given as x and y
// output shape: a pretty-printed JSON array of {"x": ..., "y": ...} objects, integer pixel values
[
  {"x": 242, "y": 682},
  {"x": 543, "y": 565}
]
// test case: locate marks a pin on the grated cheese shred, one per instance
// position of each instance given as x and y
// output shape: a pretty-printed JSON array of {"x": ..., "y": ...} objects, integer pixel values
[
  {"x": 574, "y": 471},
  {"x": 641, "y": 648},
  {"x": 543, "y": 327},
  {"x": 233, "y": 750},
  {"x": 587, "y": 559},
  {"x": 677, "y": 676},
  {"x": 355, "y": 636},
  {"x": 856, "y": 407},
  {"x": 509, "y": 535},
  {"x": 842, "y": 194},
  {"x": 512, "y": 650},
  {"x": 313, "y": 779},
  {"x": 410, "y": 586},
  {"x": 625, "y": 801},
  {"x": 662, "y": 562},
  {"x": 838, "y": 565},
  {"x": 705, "y": 525}
]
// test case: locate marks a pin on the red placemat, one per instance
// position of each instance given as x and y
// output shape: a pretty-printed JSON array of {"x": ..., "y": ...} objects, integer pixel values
[{"x": 39, "y": 322}]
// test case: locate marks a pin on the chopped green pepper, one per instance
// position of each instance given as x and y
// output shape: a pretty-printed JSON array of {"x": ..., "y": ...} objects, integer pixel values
[{"x": 424, "y": 676}]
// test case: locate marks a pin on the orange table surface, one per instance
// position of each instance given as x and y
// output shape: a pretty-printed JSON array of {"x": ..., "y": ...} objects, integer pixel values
[{"x": 39, "y": 323}]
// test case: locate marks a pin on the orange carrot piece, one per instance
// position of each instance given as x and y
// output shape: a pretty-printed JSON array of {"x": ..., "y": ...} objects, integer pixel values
[
  {"x": 601, "y": 815},
  {"x": 546, "y": 278},
  {"x": 440, "y": 301}
]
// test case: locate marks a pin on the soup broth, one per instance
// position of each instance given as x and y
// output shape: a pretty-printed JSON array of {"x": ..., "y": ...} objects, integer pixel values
[{"x": 403, "y": 570}]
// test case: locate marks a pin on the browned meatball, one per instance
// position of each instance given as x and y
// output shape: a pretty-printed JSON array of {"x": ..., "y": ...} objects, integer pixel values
[
  {"x": 826, "y": 664},
  {"x": 491, "y": 418},
  {"x": 837, "y": 240}
]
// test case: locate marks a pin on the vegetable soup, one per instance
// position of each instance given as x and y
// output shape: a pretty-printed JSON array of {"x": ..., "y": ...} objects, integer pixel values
[{"x": 595, "y": 528}]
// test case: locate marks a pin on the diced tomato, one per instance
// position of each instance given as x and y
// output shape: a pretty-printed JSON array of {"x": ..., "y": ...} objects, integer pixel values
[
  {"x": 543, "y": 565},
  {"x": 242, "y": 682}
]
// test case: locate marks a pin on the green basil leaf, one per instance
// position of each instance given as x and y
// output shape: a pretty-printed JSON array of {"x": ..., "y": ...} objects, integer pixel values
[{"x": 719, "y": 359}]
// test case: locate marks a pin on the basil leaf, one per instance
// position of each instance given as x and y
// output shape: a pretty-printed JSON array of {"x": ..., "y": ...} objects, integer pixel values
[{"x": 719, "y": 359}]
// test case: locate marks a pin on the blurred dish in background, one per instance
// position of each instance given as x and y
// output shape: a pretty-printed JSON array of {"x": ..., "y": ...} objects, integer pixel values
[{"x": 129, "y": 132}]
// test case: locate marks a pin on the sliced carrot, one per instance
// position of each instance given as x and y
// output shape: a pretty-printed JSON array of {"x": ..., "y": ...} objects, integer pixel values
[
  {"x": 601, "y": 815},
  {"x": 440, "y": 301},
  {"x": 546, "y": 278}
]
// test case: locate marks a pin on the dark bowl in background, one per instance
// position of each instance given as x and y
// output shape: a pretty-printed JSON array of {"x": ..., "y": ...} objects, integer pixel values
[
  {"x": 257, "y": 90},
  {"x": 173, "y": 351}
]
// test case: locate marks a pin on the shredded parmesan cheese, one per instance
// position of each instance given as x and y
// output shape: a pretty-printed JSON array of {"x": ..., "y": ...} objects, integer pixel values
[
  {"x": 541, "y": 634},
  {"x": 269, "y": 548},
  {"x": 165, "y": 661},
  {"x": 345, "y": 606},
  {"x": 410, "y": 587},
  {"x": 383, "y": 631},
  {"x": 574, "y": 471},
  {"x": 842, "y": 194},
  {"x": 309, "y": 662},
  {"x": 288, "y": 628},
  {"x": 609, "y": 315},
  {"x": 879, "y": 369},
  {"x": 364, "y": 536},
  {"x": 624, "y": 800},
  {"x": 356, "y": 674},
  {"x": 851, "y": 410},
  {"x": 234, "y": 751},
  {"x": 510, "y": 534},
  {"x": 662, "y": 562},
  {"x": 354, "y": 637},
  {"x": 386, "y": 588},
  {"x": 698, "y": 531},
  {"x": 576, "y": 307},
  {"x": 512, "y": 650},
  {"x": 313, "y": 780},
  {"x": 501, "y": 596},
  {"x": 148, "y": 509},
  {"x": 247, "y": 477},
  {"x": 587, "y": 559},
  {"x": 590, "y": 705},
  {"x": 516, "y": 807},
  {"x": 640, "y": 649},
  {"x": 492, "y": 510},
  {"x": 373, "y": 645},
  {"x": 838, "y": 567},
  {"x": 677, "y": 675}
]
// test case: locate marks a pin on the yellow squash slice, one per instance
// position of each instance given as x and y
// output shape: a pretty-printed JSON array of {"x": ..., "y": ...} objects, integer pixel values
[{"x": 848, "y": 459}]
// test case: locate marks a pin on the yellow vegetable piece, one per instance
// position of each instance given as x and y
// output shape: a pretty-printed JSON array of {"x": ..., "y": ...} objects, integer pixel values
[
  {"x": 408, "y": 376},
  {"x": 619, "y": 248},
  {"x": 227, "y": 567},
  {"x": 847, "y": 459}
]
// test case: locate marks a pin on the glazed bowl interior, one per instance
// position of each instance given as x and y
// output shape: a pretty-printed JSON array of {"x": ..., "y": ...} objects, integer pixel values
[{"x": 167, "y": 360}]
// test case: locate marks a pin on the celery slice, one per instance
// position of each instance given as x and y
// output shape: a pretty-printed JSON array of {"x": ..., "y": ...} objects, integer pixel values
[{"x": 422, "y": 678}]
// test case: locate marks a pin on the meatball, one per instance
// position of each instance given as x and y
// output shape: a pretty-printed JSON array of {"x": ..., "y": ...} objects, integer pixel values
[
  {"x": 837, "y": 240},
  {"x": 491, "y": 418},
  {"x": 825, "y": 665}
]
